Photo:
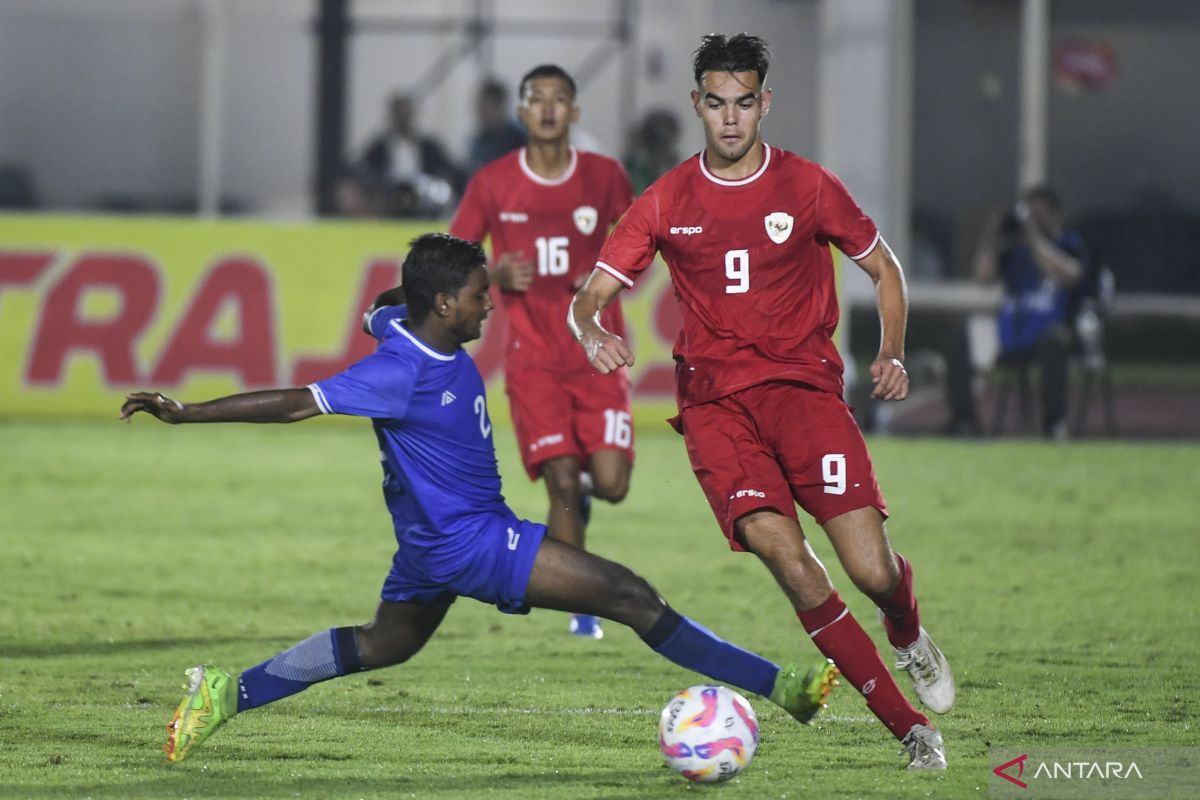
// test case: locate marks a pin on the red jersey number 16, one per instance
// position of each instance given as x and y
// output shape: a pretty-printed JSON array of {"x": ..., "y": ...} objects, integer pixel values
[{"x": 553, "y": 256}]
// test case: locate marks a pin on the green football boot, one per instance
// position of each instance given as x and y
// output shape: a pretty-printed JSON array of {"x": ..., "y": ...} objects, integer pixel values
[
  {"x": 211, "y": 701},
  {"x": 804, "y": 696}
]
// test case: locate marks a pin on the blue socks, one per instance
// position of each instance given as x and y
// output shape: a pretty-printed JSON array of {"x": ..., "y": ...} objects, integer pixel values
[
  {"x": 333, "y": 653},
  {"x": 324, "y": 655},
  {"x": 695, "y": 647}
]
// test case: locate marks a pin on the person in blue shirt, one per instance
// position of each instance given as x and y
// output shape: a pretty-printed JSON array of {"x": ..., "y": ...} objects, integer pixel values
[
  {"x": 455, "y": 535},
  {"x": 1042, "y": 265}
]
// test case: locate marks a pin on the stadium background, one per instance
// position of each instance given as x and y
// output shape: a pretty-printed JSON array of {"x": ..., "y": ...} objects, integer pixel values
[
  {"x": 164, "y": 166},
  {"x": 221, "y": 115}
]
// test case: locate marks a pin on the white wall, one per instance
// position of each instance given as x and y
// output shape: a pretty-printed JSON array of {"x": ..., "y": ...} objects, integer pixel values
[{"x": 101, "y": 97}]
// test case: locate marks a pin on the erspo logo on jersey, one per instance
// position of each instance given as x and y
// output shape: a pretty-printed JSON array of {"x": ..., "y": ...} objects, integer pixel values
[{"x": 685, "y": 230}]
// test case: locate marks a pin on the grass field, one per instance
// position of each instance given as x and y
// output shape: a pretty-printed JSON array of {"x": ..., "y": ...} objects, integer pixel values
[{"x": 1060, "y": 580}]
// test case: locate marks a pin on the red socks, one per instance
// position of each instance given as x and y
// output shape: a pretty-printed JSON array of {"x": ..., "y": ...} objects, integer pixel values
[
  {"x": 901, "y": 619},
  {"x": 839, "y": 636}
]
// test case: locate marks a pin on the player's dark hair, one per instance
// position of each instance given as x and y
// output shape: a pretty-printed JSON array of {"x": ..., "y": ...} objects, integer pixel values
[
  {"x": 494, "y": 90},
  {"x": 741, "y": 52},
  {"x": 437, "y": 263},
  {"x": 1046, "y": 193},
  {"x": 546, "y": 71}
]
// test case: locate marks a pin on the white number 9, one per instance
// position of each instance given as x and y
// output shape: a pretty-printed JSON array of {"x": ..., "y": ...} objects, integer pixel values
[
  {"x": 833, "y": 472},
  {"x": 737, "y": 270}
]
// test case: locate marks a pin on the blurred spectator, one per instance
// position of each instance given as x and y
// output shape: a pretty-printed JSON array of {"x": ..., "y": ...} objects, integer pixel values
[
  {"x": 16, "y": 187},
  {"x": 1044, "y": 268},
  {"x": 652, "y": 148},
  {"x": 498, "y": 132},
  {"x": 401, "y": 173}
]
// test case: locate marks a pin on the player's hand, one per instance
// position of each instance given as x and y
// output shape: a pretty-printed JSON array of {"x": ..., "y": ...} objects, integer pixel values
[
  {"x": 890, "y": 379},
  {"x": 513, "y": 273},
  {"x": 606, "y": 352},
  {"x": 152, "y": 403}
]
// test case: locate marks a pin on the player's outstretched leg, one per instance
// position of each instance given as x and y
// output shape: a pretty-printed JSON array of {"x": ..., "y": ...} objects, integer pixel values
[
  {"x": 568, "y": 579},
  {"x": 214, "y": 697},
  {"x": 210, "y": 702},
  {"x": 804, "y": 694}
]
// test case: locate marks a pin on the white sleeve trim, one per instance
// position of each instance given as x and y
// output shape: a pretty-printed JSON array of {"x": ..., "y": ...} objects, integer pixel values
[
  {"x": 870, "y": 247},
  {"x": 613, "y": 271},
  {"x": 319, "y": 396}
]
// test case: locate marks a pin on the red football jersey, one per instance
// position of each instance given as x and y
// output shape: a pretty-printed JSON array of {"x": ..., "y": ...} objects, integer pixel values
[
  {"x": 559, "y": 225},
  {"x": 751, "y": 269}
]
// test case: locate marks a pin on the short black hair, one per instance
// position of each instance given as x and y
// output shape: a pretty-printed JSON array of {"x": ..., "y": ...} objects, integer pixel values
[
  {"x": 741, "y": 52},
  {"x": 1046, "y": 193},
  {"x": 437, "y": 263},
  {"x": 494, "y": 89},
  {"x": 546, "y": 71}
]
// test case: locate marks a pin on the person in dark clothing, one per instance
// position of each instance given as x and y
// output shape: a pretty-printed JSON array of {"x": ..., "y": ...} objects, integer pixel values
[
  {"x": 404, "y": 173},
  {"x": 1043, "y": 266}
]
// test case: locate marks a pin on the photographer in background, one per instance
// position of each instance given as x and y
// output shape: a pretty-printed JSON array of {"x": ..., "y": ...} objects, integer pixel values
[
  {"x": 1042, "y": 265},
  {"x": 402, "y": 173}
]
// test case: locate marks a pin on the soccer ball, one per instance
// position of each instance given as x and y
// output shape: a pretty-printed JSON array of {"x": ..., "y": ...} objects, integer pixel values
[{"x": 708, "y": 733}]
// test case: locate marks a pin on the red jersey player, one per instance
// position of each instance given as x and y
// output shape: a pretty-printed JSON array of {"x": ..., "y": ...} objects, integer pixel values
[
  {"x": 745, "y": 229},
  {"x": 548, "y": 208}
]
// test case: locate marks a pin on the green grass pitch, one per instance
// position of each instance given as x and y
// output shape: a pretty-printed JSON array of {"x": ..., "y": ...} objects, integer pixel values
[{"x": 1060, "y": 580}]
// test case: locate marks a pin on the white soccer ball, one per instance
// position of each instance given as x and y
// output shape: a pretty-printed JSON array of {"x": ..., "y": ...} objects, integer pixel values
[{"x": 708, "y": 733}]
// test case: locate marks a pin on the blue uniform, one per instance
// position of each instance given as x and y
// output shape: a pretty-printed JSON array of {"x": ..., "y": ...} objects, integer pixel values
[
  {"x": 454, "y": 533},
  {"x": 1033, "y": 303}
]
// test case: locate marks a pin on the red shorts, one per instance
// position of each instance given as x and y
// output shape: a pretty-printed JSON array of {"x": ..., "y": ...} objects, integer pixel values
[
  {"x": 775, "y": 443},
  {"x": 574, "y": 414}
]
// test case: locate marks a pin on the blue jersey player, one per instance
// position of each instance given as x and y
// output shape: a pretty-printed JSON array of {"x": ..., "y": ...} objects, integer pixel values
[{"x": 455, "y": 534}]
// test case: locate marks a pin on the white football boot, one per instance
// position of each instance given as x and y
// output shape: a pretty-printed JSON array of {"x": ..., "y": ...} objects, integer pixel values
[
  {"x": 930, "y": 673},
  {"x": 924, "y": 748}
]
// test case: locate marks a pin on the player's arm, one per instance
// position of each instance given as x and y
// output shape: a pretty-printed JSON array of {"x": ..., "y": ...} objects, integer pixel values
[
  {"x": 273, "y": 405},
  {"x": 391, "y": 297},
  {"x": 891, "y": 297},
  {"x": 605, "y": 351},
  {"x": 1053, "y": 261},
  {"x": 512, "y": 272}
]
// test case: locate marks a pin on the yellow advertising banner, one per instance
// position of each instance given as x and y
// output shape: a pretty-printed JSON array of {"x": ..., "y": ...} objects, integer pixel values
[{"x": 94, "y": 307}]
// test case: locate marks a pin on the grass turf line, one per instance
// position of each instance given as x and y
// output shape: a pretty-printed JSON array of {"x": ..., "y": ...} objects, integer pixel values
[{"x": 1059, "y": 580}]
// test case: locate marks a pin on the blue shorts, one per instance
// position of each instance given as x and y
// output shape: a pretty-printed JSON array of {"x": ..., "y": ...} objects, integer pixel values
[{"x": 489, "y": 559}]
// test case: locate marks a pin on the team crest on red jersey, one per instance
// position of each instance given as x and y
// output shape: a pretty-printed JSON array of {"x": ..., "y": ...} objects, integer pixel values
[
  {"x": 779, "y": 226},
  {"x": 585, "y": 219}
]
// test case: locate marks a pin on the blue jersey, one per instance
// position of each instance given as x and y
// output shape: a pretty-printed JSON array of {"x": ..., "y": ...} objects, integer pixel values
[
  {"x": 429, "y": 410},
  {"x": 1033, "y": 302}
]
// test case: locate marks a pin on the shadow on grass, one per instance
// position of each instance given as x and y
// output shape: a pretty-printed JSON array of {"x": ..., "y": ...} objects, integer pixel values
[
  {"x": 24, "y": 649},
  {"x": 611, "y": 784}
]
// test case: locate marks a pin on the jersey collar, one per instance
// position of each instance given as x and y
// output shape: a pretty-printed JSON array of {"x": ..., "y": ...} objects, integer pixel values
[
  {"x": 743, "y": 181},
  {"x": 522, "y": 159},
  {"x": 424, "y": 348}
]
